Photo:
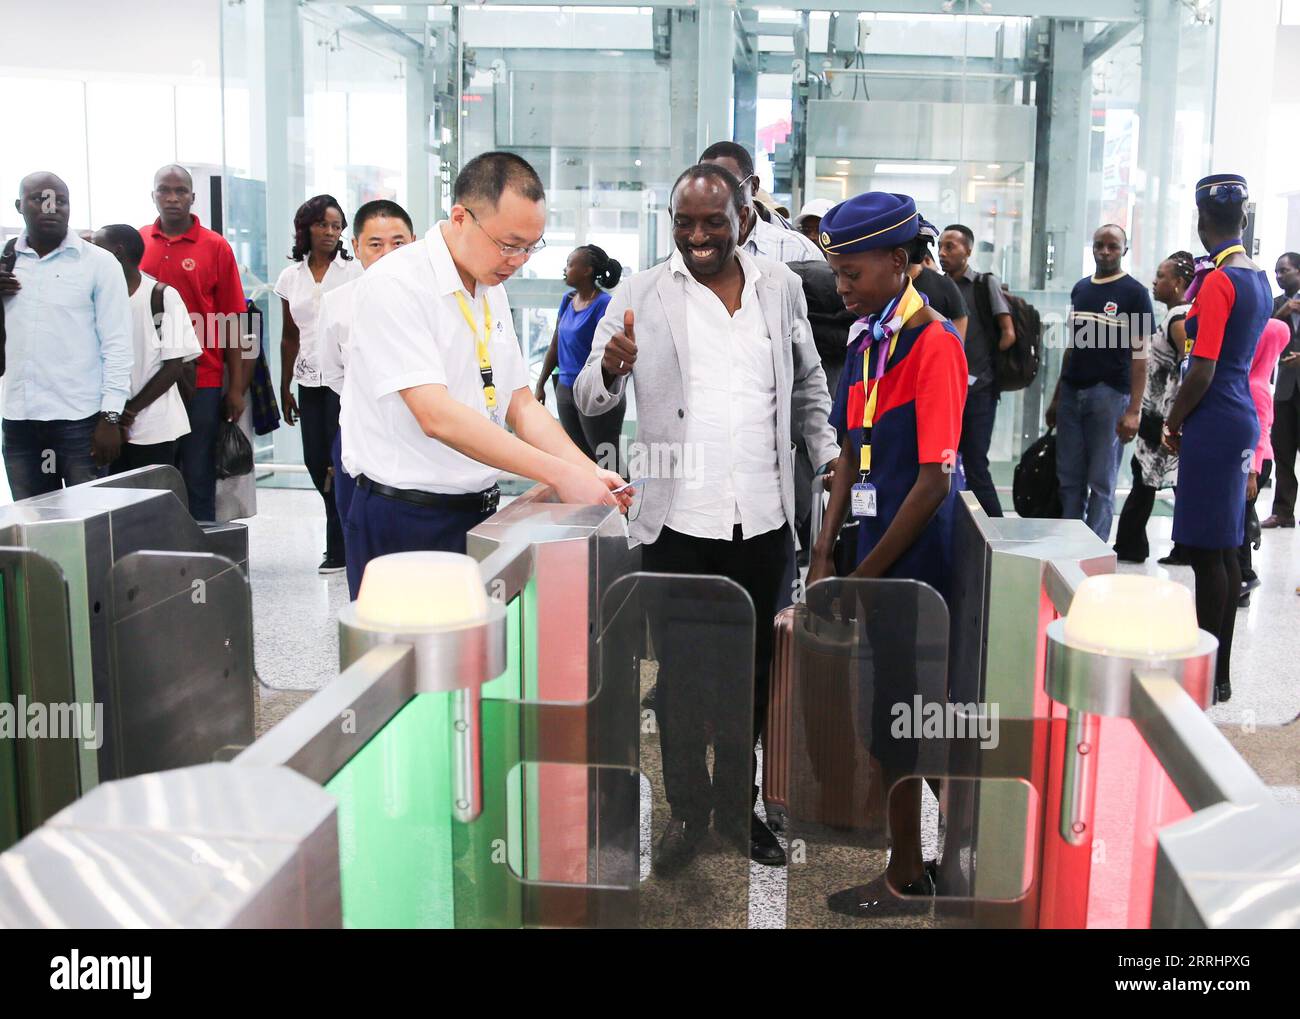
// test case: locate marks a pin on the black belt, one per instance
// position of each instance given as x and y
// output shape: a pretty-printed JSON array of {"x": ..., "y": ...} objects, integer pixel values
[{"x": 478, "y": 502}]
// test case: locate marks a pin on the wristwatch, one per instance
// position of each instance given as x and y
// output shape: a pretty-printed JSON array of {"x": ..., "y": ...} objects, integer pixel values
[{"x": 111, "y": 416}]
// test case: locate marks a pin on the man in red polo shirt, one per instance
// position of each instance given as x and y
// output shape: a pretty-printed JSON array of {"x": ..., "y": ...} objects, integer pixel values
[{"x": 198, "y": 262}]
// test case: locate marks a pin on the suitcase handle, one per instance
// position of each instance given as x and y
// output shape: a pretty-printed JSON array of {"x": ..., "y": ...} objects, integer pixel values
[{"x": 819, "y": 497}]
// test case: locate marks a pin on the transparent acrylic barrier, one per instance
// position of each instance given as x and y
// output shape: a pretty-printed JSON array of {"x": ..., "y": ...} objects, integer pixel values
[
  {"x": 692, "y": 638},
  {"x": 181, "y": 700},
  {"x": 882, "y": 761},
  {"x": 408, "y": 862},
  {"x": 38, "y": 776}
]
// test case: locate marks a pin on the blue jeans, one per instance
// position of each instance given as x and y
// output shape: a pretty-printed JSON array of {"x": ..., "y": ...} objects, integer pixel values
[
  {"x": 1088, "y": 453},
  {"x": 43, "y": 456},
  {"x": 196, "y": 456}
]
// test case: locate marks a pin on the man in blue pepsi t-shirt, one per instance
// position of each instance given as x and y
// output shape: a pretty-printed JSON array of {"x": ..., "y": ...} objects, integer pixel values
[{"x": 1098, "y": 398}]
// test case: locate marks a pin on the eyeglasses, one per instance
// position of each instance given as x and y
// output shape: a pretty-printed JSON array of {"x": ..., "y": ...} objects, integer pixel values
[{"x": 508, "y": 250}]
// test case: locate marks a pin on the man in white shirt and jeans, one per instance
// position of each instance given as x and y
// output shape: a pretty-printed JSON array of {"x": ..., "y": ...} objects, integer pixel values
[
  {"x": 67, "y": 356},
  {"x": 719, "y": 349},
  {"x": 435, "y": 375},
  {"x": 380, "y": 226},
  {"x": 154, "y": 418}
]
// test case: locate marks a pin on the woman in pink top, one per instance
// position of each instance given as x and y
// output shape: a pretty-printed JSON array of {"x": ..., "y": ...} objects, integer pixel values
[{"x": 1271, "y": 343}]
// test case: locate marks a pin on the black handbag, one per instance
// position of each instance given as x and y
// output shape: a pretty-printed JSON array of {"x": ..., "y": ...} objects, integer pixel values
[
  {"x": 1035, "y": 491},
  {"x": 1151, "y": 429},
  {"x": 234, "y": 453}
]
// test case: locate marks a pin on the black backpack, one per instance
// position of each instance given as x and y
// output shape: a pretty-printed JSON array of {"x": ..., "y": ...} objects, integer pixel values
[
  {"x": 1035, "y": 491},
  {"x": 829, "y": 319},
  {"x": 1016, "y": 367}
]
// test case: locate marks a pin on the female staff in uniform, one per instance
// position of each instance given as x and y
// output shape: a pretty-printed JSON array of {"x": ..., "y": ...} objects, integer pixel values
[
  {"x": 898, "y": 408},
  {"x": 1214, "y": 411}
]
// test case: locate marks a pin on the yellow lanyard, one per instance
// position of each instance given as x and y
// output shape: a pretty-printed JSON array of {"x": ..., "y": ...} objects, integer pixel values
[
  {"x": 1219, "y": 259},
  {"x": 1222, "y": 255},
  {"x": 484, "y": 358},
  {"x": 908, "y": 306}
]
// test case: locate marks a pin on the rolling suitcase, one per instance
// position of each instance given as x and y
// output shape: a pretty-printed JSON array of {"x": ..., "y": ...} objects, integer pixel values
[{"x": 812, "y": 754}]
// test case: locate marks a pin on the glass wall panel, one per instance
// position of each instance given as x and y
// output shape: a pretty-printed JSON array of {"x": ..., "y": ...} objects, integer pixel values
[{"x": 965, "y": 112}]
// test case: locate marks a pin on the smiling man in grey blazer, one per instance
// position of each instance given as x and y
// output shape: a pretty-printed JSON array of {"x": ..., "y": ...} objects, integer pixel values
[{"x": 718, "y": 348}]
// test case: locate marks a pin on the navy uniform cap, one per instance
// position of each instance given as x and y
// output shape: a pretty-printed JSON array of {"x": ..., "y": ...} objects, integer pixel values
[
  {"x": 868, "y": 222},
  {"x": 1221, "y": 187},
  {"x": 928, "y": 229}
]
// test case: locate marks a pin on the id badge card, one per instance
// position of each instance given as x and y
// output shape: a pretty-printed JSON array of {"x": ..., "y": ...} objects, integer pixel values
[{"x": 864, "y": 499}]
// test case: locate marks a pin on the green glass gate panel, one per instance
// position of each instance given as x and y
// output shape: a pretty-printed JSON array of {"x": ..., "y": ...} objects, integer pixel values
[
  {"x": 395, "y": 805},
  {"x": 45, "y": 774},
  {"x": 394, "y": 822}
]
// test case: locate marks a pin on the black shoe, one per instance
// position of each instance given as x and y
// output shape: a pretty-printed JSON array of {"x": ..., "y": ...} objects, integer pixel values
[
  {"x": 1222, "y": 692},
  {"x": 328, "y": 565},
  {"x": 759, "y": 844},
  {"x": 1243, "y": 600},
  {"x": 1269, "y": 522},
  {"x": 878, "y": 899},
  {"x": 1121, "y": 557},
  {"x": 1249, "y": 585},
  {"x": 678, "y": 845},
  {"x": 1173, "y": 559}
]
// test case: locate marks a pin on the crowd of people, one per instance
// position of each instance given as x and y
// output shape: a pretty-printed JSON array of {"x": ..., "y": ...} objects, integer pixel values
[{"x": 401, "y": 366}]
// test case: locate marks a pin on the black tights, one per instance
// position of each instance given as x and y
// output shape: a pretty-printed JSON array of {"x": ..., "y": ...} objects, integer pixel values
[{"x": 1218, "y": 586}]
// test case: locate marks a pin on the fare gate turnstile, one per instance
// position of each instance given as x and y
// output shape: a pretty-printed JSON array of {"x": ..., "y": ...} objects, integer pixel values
[
  {"x": 462, "y": 778},
  {"x": 127, "y": 636}
]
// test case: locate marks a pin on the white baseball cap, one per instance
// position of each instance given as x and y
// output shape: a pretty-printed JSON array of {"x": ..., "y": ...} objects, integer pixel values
[{"x": 817, "y": 207}]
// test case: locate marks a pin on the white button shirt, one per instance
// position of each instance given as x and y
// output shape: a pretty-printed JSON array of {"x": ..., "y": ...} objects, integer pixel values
[
  {"x": 299, "y": 287},
  {"x": 332, "y": 328},
  {"x": 730, "y": 416},
  {"x": 767, "y": 240},
  {"x": 407, "y": 330},
  {"x": 165, "y": 419},
  {"x": 68, "y": 351}
]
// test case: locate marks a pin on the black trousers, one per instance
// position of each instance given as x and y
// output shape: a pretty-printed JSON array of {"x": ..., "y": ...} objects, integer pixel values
[
  {"x": 318, "y": 408},
  {"x": 598, "y": 436},
  {"x": 687, "y": 705},
  {"x": 1131, "y": 535},
  {"x": 1286, "y": 437},
  {"x": 153, "y": 454},
  {"x": 977, "y": 420}
]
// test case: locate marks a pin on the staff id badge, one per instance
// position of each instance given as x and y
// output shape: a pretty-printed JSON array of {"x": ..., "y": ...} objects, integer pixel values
[{"x": 864, "y": 499}]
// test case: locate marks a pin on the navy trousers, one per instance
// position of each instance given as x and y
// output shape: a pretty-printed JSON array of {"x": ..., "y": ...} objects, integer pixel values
[{"x": 377, "y": 525}]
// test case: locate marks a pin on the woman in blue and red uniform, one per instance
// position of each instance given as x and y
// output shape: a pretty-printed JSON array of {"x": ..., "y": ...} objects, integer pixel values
[
  {"x": 898, "y": 409},
  {"x": 1215, "y": 413}
]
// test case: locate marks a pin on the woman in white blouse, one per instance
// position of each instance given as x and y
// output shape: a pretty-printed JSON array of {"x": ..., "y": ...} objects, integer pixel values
[{"x": 321, "y": 263}]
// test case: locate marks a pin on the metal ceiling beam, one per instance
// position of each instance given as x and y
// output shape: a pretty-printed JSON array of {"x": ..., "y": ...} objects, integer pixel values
[{"x": 1105, "y": 41}]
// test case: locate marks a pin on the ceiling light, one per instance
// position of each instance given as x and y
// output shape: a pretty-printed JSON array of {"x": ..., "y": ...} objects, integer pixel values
[
  {"x": 978, "y": 176},
  {"x": 842, "y": 162},
  {"x": 995, "y": 166},
  {"x": 915, "y": 169},
  {"x": 841, "y": 173}
]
